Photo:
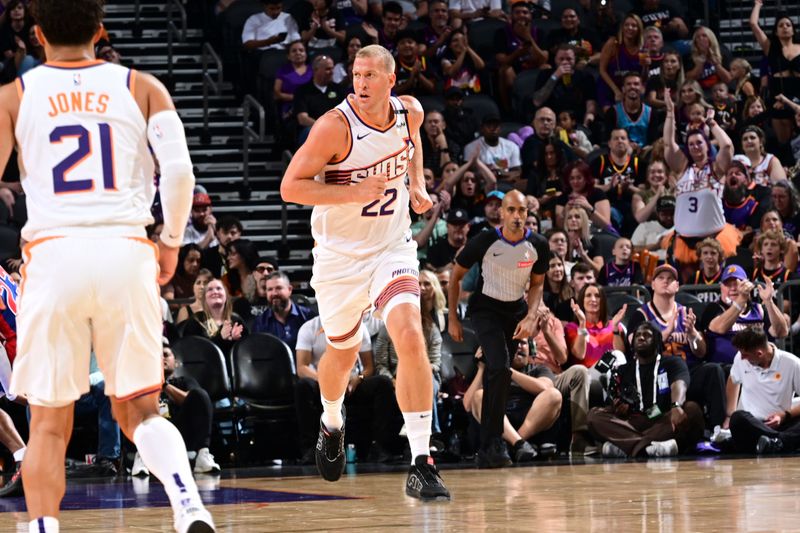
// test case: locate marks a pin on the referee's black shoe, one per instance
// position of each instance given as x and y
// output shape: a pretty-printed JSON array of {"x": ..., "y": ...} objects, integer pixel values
[
  {"x": 424, "y": 482},
  {"x": 330, "y": 453},
  {"x": 494, "y": 455}
]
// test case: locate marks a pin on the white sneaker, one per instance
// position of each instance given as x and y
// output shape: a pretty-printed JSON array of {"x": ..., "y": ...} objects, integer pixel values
[
  {"x": 194, "y": 520},
  {"x": 139, "y": 469},
  {"x": 205, "y": 462},
  {"x": 663, "y": 448},
  {"x": 611, "y": 450}
]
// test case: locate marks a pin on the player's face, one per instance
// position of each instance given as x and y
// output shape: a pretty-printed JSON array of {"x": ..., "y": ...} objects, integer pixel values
[
  {"x": 191, "y": 263},
  {"x": 215, "y": 294},
  {"x": 556, "y": 270},
  {"x": 372, "y": 83},
  {"x": 710, "y": 258}
]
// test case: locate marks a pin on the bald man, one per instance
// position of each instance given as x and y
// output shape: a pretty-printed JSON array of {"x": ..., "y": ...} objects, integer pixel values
[{"x": 509, "y": 257}]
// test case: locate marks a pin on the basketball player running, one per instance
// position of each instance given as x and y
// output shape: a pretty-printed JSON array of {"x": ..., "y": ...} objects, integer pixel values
[
  {"x": 82, "y": 128},
  {"x": 353, "y": 170}
]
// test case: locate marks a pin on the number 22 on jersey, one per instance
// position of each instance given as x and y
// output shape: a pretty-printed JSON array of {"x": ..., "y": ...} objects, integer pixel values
[{"x": 80, "y": 155}]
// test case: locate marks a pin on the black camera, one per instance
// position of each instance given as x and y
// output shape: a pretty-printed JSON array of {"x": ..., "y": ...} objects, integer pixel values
[{"x": 606, "y": 362}]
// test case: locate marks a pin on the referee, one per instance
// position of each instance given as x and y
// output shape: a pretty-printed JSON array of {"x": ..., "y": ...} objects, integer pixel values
[{"x": 509, "y": 258}]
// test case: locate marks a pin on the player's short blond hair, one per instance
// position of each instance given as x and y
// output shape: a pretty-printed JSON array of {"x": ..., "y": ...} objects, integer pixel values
[{"x": 379, "y": 52}]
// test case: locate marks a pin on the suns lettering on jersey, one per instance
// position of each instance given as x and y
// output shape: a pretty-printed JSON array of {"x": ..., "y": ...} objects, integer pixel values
[
  {"x": 394, "y": 166},
  {"x": 78, "y": 102}
]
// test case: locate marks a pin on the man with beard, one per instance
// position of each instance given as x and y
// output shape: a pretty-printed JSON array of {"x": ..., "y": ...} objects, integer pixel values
[
  {"x": 512, "y": 259},
  {"x": 741, "y": 208},
  {"x": 649, "y": 415},
  {"x": 499, "y": 154},
  {"x": 202, "y": 226},
  {"x": 284, "y": 317},
  {"x": 491, "y": 210},
  {"x": 443, "y": 250},
  {"x": 633, "y": 115}
]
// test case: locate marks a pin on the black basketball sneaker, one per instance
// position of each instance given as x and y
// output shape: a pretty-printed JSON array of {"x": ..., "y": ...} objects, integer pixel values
[{"x": 424, "y": 481}]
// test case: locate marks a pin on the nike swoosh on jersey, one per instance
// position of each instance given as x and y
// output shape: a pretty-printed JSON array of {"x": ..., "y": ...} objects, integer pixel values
[{"x": 359, "y": 137}]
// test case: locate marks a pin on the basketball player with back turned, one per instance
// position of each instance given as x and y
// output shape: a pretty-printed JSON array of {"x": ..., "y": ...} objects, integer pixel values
[
  {"x": 353, "y": 170},
  {"x": 82, "y": 129}
]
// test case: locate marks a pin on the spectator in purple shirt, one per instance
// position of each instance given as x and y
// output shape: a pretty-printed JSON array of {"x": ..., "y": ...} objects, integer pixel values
[{"x": 290, "y": 76}]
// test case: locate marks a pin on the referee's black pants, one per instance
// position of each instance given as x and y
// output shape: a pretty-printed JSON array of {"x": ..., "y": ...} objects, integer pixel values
[{"x": 495, "y": 331}]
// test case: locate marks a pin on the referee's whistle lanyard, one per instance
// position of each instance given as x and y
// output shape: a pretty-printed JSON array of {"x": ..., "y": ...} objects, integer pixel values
[{"x": 655, "y": 382}]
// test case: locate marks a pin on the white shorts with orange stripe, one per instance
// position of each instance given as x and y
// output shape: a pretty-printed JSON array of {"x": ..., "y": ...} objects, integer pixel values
[
  {"x": 346, "y": 287},
  {"x": 84, "y": 293}
]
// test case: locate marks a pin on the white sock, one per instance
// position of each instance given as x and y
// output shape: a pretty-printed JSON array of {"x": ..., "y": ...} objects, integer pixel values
[
  {"x": 418, "y": 426},
  {"x": 20, "y": 454},
  {"x": 332, "y": 413},
  {"x": 45, "y": 524},
  {"x": 163, "y": 452}
]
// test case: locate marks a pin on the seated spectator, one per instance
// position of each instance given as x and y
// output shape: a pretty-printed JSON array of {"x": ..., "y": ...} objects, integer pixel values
[
  {"x": 202, "y": 225},
  {"x": 492, "y": 218},
  {"x": 563, "y": 88},
  {"x": 31, "y": 54},
  {"x": 392, "y": 19},
  {"x": 769, "y": 253},
  {"x": 352, "y": 11},
  {"x": 343, "y": 70},
  {"x": 772, "y": 221},
  {"x": 654, "y": 14},
  {"x": 581, "y": 274},
  {"x": 724, "y": 107},
  {"x": 228, "y": 229},
  {"x": 198, "y": 290},
  {"x": 217, "y": 321},
  {"x": 556, "y": 289},
  {"x": 184, "y": 402},
  {"x": 289, "y": 77},
  {"x": 765, "y": 169},
  {"x": 464, "y": 11},
  {"x": 651, "y": 55},
  {"x": 742, "y": 210},
  {"x": 623, "y": 271},
  {"x": 250, "y": 309},
  {"x": 618, "y": 176},
  {"x": 580, "y": 191},
  {"x": 656, "y": 185},
  {"x": 786, "y": 202},
  {"x": 429, "y": 228},
  {"x": 670, "y": 77},
  {"x": 648, "y": 235},
  {"x": 691, "y": 94},
  {"x": 284, "y": 317},
  {"x": 273, "y": 29},
  {"x": 546, "y": 183},
  {"x": 762, "y": 383},
  {"x": 463, "y": 124},
  {"x": 558, "y": 243},
  {"x": 461, "y": 65},
  {"x": 619, "y": 55},
  {"x": 712, "y": 260},
  {"x": 323, "y": 27},
  {"x": 633, "y": 115},
  {"x": 658, "y": 421},
  {"x": 707, "y": 66},
  {"x": 741, "y": 85},
  {"x": 533, "y": 405},
  {"x": 182, "y": 283},
  {"x": 603, "y": 18},
  {"x": 372, "y": 392},
  {"x": 96, "y": 403},
  {"x": 436, "y": 34},
  {"x": 242, "y": 260},
  {"x": 415, "y": 75},
  {"x": 443, "y": 250},
  {"x": 572, "y": 33},
  {"x": 14, "y": 32},
  {"x": 544, "y": 125},
  {"x": 471, "y": 189},
  {"x": 516, "y": 48},
  {"x": 580, "y": 245},
  {"x": 573, "y": 136},
  {"x": 735, "y": 311},
  {"x": 437, "y": 147},
  {"x": 317, "y": 97},
  {"x": 499, "y": 154}
]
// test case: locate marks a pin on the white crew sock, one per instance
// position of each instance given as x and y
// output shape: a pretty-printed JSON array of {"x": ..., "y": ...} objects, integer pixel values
[
  {"x": 163, "y": 452},
  {"x": 45, "y": 524},
  {"x": 418, "y": 427},
  {"x": 20, "y": 454},
  {"x": 332, "y": 413}
]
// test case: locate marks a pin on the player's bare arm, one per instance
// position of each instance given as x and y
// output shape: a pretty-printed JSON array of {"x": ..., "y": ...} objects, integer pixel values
[
  {"x": 420, "y": 201},
  {"x": 328, "y": 139}
]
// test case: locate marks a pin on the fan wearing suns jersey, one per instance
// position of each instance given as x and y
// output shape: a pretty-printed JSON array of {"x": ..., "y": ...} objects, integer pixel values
[
  {"x": 82, "y": 128},
  {"x": 698, "y": 196},
  {"x": 353, "y": 170}
]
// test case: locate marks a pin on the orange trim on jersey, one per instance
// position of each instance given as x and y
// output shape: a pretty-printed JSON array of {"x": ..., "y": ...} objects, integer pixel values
[
  {"x": 349, "y": 335},
  {"x": 399, "y": 285},
  {"x": 26, "y": 256},
  {"x": 74, "y": 64},
  {"x": 20, "y": 88},
  {"x": 369, "y": 124},
  {"x": 140, "y": 393},
  {"x": 349, "y": 140}
]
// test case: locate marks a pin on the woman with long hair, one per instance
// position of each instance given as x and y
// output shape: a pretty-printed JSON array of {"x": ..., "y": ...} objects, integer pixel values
[
  {"x": 619, "y": 55},
  {"x": 707, "y": 60},
  {"x": 783, "y": 56},
  {"x": 773, "y": 221},
  {"x": 199, "y": 288},
  {"x": 432, "y": 302},
  {"x": 242, "y": 260},
  {"x": 657, "y": 184},
  {"x": 765, "y": 169},
  {"x": 556, "y": 285},
  {"x": 217, "y": 321},
  {"x": 690, "y": 94},
  {"x": 341, "y": 72},
  {"x": 580, "y": 191},
  {"x": 547, "y": 184},
  {"x": 671, "y": 77},
  {"x": 291, "y": 75},
  {"x": 579, "y": 241},
  {"x": 14, "y": 34},
  {"x": 181, "y": 284},
  {"x": 742, "y": 83}
]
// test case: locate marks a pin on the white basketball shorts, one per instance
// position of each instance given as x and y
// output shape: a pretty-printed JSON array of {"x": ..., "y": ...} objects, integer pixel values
[
  {"x": 84, "y": 293},
  {"x": 346, "y": 287}
]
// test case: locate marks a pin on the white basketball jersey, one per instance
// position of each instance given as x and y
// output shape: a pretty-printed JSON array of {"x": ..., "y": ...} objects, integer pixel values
[
  {"x": 698, "y": 203},
  {"x": 760, "y": 172},
  {"x": 364, "y": 229},
  {"x": 83, "y": 154}
]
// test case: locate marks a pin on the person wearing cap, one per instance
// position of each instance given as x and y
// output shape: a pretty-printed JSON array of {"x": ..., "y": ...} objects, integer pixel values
[
  {"x": 513, "y": 262},
  {"x": 443, "y": 250},
  {"x": 500, "y": 155},
  {"x": 202, "y": 226},
  {"x": 681, "y": 338},
  {"x": 462, "y": 123},
  {"x": 491, "y": 219},
  {"x": 415, "y": 74},
  {"x": 736, "y": 311}
]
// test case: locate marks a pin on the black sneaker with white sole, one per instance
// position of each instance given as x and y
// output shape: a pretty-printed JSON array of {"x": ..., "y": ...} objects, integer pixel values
[
  {"x": 329, "y": 453},
  {"x": 424, "y": 481}
]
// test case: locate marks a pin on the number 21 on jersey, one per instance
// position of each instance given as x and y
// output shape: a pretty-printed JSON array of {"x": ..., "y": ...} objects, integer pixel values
[{"x": 81, "y": 154}]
